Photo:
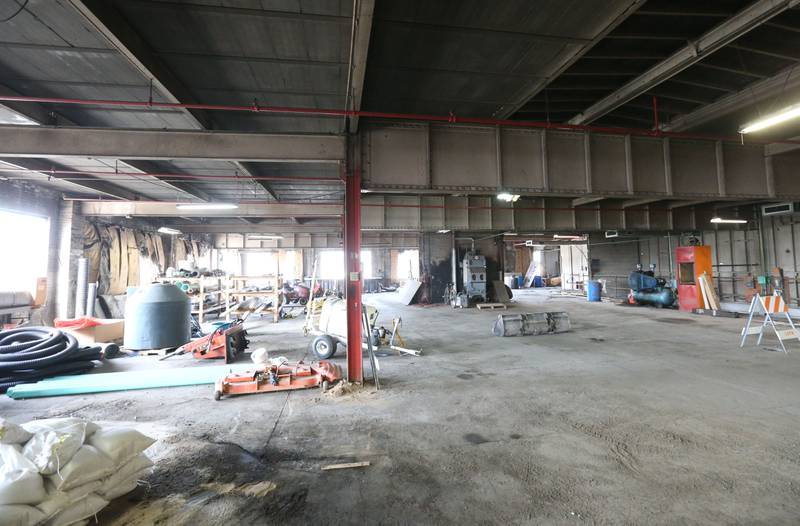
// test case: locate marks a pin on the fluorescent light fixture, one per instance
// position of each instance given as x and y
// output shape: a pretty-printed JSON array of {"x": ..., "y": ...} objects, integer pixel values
[
  {"x": 722, "y": 220},
  {"x": 264, "y": 236},
  {"x": 442, "y": 231},
  {"x": 167, "y": 230},
  {"x": 571, "y": 237},
  {"x": 207, "y": 206},
  {"x": 510, "y": 198},
  {"x": 788, "y": 114}
]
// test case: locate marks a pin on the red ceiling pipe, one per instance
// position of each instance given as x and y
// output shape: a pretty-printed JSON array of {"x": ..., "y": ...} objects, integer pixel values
[{"x": 451, "y": 118}]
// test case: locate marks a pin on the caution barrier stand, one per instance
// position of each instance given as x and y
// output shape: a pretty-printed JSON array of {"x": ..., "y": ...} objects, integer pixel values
[{"x": 772, "y": 307}]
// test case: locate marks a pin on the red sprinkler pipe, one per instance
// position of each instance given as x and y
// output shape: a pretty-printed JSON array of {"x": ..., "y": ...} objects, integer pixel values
[{"x": 329, "y": 112}]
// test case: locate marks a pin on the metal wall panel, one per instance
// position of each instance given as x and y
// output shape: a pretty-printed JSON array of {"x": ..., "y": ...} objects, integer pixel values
[
  {"x": 526, "y": 219},
  {"x": 694, "y": 168},
  {"x": 611, "y": 217},
  {"x": 464, "y": 157},
  {"x": 647, "y": 157},
  {"x": 502, "y": 216},
  {"x": 486, "y": 159},
  {"x": 432, "y": 213},
  {"x": 397, "y": 153},
  {"x": 608, "y": 164},
  {"x": 455, "y": 212},
  {"x": 559, "y": 214},
  {"x": 587, "y": 218},
  {"x": 566, "y": 162},
  {"x": 402, "y": 212},
  {"x": 786, "y": 170},
  {"x": 637, "y": 218},
  {"x": 372, "y": 216},
  {"x": 480, "y": 213},
  {"x": 745, "y": 172},
  {"x": 522, "y": 166}
]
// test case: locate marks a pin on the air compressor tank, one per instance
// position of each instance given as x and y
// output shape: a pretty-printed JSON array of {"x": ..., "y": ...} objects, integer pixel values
[{"x": 157, "y": 316}]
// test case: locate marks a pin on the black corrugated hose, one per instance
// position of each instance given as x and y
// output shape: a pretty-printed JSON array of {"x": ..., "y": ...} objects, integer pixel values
[{"x": 30, "y": 354}]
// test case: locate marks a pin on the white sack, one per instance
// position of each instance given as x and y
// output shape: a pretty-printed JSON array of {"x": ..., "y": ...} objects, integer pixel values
[
  {"x": 11, "y": 458},
  {"x": 87, "y": 465},
  {"x": 11, "y": 433},
  {"x": 83, "y": 509},
  {"x": 57, "y": 501},
  {"x": 48, "y": 424},
  {"x": 21, "y": 486},
  {"x": 19, "y": 515},
  {"x": 138, "y": 465},
  {"x": 120, "y": 444},
  {"x": 51, "y": 450}
]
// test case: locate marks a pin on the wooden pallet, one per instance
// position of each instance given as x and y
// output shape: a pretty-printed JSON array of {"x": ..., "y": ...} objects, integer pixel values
[
  {"x": 492, "y": 306},
  {"x": 156, "y": 352}
]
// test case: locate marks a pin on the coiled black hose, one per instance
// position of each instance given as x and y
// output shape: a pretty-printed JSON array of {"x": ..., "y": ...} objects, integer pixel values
[{"x": 30, "y": 354}]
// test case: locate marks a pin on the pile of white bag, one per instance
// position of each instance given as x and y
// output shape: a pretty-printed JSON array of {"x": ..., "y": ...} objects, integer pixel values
[{"x": 65, "y": 470}]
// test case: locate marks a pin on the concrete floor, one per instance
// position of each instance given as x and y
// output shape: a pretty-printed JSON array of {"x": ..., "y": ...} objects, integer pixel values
[{"x": 637, "y": 416}]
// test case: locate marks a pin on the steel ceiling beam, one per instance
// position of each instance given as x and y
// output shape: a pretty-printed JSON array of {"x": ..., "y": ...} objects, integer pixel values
[
  {"x": 719, "y": 36},
  {"x": 243, "y": 11},
  {"x": 163, "y": 209},
  {"x": 477, "y": 30},
  {"x": 93, "y": 186},
  {"x": 261, "y": 228},
  {"x": 40, "y": 141},
  {"x": 122, "y": 36},
  {"x": 581, "y": 201},
  {"x": 41, "y": 115},
  {"x": 362, "y": 29},
  {"x": 566, "y": 60},
  {"x": 785, "y": 81}
]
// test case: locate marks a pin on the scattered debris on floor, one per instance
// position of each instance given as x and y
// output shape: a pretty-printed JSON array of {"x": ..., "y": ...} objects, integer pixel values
[
  {"x": 531, "y": 324},
  {"x": 348, "y": 465},
  {"x": 344, "y": 388}
]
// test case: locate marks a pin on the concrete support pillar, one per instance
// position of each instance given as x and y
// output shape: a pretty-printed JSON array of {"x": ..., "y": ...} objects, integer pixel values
[{"x": 70, "y": 248}]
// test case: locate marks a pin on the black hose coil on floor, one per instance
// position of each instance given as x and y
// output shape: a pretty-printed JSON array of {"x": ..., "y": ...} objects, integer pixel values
[{"x": 30, "y": 354}]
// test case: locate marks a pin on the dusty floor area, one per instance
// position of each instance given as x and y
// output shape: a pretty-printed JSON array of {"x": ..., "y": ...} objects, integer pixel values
[{"x": 637, "y": 416}]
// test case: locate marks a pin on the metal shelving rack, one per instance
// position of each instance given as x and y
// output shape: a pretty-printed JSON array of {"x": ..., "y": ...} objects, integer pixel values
[{"x": 236, "y": 283}]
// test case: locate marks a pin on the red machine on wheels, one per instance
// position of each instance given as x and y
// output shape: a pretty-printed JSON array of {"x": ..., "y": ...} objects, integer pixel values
[
  {"x": 283, "y": 377},
  {"x": 227, "y": 341}
]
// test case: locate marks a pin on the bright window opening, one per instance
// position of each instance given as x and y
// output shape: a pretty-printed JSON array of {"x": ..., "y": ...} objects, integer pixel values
[
  {"x": 331, "y": 264},
  {"x": 26, "y": 240},
  {"x": 407, "y": 265}
]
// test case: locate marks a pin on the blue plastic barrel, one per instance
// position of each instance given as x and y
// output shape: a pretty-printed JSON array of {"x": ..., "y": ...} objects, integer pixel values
[
  {"x": 520, "y": 281},
  {"x": 594, "y": 290},
  {"x": 537, "y": 281}
]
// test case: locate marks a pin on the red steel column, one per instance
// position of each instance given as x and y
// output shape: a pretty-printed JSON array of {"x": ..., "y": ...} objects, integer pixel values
[{"x": 352, "y": 254}]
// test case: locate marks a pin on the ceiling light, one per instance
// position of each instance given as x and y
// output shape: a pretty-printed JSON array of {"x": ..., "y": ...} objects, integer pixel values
[
  {"x": 207, "y": 206},
  {"x": 442, "y": 231},
  {"x": 167, "y": 230},
  {"x": 264, "y": 236},
  {"x": 721, "y": 220},
  {"x": 571, "y": 237},
  {"x": 510, "y": 198},
  {"x": 789, "y": 113}
]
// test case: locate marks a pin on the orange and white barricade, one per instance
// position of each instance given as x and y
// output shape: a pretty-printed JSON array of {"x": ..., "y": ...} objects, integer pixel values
[{"x": 772, "y": 307}]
